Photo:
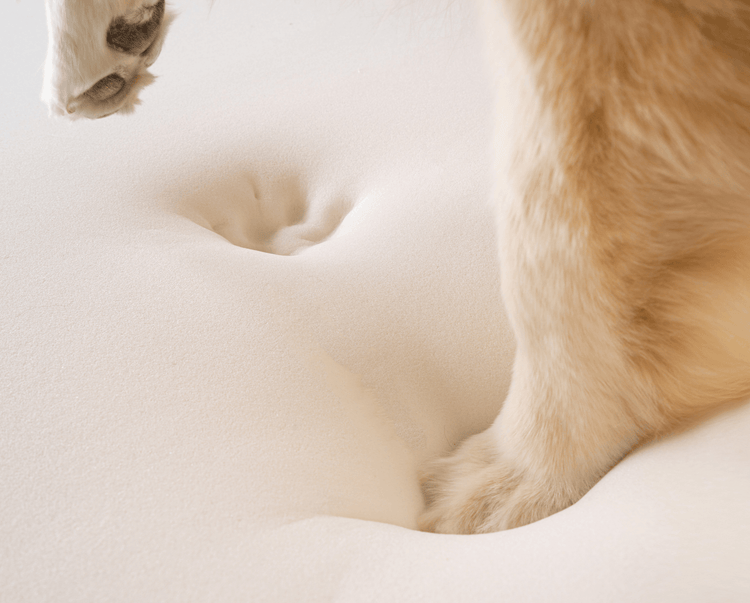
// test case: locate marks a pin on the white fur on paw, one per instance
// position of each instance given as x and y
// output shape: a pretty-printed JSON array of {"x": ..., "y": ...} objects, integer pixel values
[
  {"x": 475, "y": 490},
  {"x": 97, "y": 58}
]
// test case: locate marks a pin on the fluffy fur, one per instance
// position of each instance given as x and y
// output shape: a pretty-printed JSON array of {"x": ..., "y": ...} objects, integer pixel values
[
  {"x": 107, "y": 42},
  {"x": 623, "y": 204}
]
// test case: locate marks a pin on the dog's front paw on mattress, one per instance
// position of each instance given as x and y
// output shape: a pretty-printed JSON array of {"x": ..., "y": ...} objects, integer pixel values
[
  {"x": 476, "y": 490},
  {"x": 98, "y": 56}
]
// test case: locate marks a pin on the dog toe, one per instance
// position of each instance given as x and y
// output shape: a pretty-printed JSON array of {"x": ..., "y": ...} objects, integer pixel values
[
  {"x": 106, "y": 87},
  {"x": 134, "y": 33}
]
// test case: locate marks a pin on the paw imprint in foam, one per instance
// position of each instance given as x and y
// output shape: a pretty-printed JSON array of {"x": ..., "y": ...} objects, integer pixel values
[{"x": 274, "y": 216}]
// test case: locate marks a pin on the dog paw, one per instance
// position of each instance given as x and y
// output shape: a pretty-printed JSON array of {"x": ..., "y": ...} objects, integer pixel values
[
  {"x": 98, "y": 58},
  {"x": 477, "y": 490}
]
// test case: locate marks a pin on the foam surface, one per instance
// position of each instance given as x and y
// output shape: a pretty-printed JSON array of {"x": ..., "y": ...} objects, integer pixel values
[{"x": 235, "y": 323}]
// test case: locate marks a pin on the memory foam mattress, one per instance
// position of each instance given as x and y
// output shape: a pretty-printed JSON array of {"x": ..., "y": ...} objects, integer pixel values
[{"x": 233, "y": 325}]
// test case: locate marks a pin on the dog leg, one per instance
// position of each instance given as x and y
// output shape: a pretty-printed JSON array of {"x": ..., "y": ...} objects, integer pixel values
[{"x": 624, "y": 227}]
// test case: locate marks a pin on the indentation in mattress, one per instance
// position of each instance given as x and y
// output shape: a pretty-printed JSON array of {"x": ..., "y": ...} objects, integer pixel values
[{"x": 270, "y": 214}]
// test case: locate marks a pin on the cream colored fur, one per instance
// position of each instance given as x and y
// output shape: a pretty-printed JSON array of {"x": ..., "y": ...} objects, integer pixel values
[
  {"x": 623, "y": 204},
  {"x": 78, "y": 56}
]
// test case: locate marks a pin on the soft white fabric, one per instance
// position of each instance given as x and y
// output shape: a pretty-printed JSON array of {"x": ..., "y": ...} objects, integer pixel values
[{"x": 189, "y": 415}]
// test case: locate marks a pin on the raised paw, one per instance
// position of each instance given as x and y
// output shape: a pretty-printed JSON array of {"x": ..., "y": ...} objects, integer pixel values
[
  {"x": 477, "y": 490},
  {"x": 99, "y": 53}
]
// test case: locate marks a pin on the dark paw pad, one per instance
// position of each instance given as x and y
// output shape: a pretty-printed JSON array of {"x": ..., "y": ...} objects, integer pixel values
[
  {"x": 106, "y": 87},
  {"x": 135, "y": 32}
]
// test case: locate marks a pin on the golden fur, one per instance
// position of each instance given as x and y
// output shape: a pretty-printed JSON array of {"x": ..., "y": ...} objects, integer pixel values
[
  {"x": 623, "y": 204},
  {"x": 624, "y": 219}
]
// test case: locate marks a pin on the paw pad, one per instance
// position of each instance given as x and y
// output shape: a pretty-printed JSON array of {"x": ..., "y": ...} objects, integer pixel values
[
  {"x": 97, "y": 66},
  {"x": 133, "y": 33},
  {"x": 106, "y": 87}
]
